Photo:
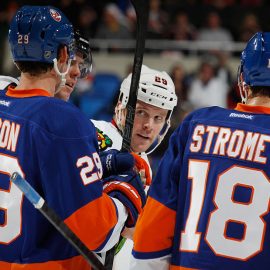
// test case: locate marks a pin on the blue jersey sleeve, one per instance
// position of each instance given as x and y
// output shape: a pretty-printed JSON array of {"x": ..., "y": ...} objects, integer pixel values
[
  {"x": 155, "y": 228},
  {"x": 70, "y": 173}
]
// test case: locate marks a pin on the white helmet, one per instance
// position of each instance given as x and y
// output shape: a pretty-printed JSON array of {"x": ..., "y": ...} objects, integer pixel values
[
  {"x": 155, "y": 88},
  {"x": 6, "y": 80}
]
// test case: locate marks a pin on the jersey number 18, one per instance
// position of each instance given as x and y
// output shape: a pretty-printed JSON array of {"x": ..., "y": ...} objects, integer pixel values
[{"x": 249, "y": 214}]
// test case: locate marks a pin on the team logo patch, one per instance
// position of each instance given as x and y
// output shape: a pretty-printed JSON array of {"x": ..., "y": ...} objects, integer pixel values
[
  {"x": 47, "y": 54},
  {"x": 103, "y": 140},
  {"x": 55, "y": 15}
]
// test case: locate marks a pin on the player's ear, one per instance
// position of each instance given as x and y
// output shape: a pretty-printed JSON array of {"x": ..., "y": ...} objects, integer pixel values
[{"x": 63, "y": 55}]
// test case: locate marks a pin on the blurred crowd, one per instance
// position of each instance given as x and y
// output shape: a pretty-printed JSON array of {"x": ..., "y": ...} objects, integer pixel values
[
  {"x": 219, "y": 20},
  {"x": 206, "y": 20}
]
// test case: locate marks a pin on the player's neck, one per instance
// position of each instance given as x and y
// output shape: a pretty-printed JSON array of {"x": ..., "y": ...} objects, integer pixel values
[
  {"x": 44, "y": 81},
  {"x": 259, "y": 101}
]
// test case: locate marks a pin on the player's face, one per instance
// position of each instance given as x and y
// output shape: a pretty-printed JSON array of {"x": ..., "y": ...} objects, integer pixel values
[
  {"x": 148, "y": 122},
  {"x": 71, "y": 78}
]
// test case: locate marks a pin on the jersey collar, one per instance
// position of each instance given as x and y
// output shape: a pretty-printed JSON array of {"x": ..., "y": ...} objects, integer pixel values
[
  {"x": 11, "y": 92},
  {"x": 252, "y": 109}
]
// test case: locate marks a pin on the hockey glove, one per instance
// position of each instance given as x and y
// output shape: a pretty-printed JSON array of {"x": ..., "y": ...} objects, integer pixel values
[
  {"x": 143, "y": 169},
  {"x": 129, "y": 190},
  {"x": 116, "y": 162}
]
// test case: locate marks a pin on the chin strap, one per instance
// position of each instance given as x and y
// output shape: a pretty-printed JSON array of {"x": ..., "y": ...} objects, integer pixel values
[
  {"x": 61, "y": 74},
  {"x": 242, "y": 86},
  {"x": 160, "y": 137},
  {"x": 243, "y": 93}
]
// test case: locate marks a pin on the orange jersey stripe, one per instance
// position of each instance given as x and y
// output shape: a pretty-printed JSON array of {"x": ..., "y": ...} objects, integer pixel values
[
  {"x": 155, "y": 227},
  {"x": 77, "y": 262},
  {"x": 93, "y": 222},
  {"x": 252, "y": 109},
  {"x": 173, "y": 267},
  {"x": 26, "y": 93}
]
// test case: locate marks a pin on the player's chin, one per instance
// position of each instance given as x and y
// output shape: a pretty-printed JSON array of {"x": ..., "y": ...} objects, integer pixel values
[
  {"x": 68, "y": 89},
  {"x": 141, "y": 145},
  {"x": 66, "y": 93}
]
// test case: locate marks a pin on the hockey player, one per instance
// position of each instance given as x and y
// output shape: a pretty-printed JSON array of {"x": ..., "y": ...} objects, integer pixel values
[
  {"x": 155, "y": 104},
  {"x": 80, "y": 67},
  {"x": 208, "y": 207},
  {"x": 51, "y": 144}
]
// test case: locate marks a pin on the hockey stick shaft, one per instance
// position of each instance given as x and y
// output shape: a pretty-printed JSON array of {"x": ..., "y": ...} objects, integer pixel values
[
  {"x": 142, "y": 13},
  {"x": 55, "y": 220}
]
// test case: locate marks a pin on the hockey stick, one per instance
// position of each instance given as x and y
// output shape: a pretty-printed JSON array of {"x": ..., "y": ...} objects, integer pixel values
[
  {"x": 55, "y": 220},
  {"x": 142, "y": 13}
]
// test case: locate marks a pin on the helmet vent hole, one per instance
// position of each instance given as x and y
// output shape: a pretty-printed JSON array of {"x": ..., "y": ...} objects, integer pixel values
[
  {"x": 43, "y": 32},
  {"x": 144, "y": 90},
  {"x": 121, "y": 97}
]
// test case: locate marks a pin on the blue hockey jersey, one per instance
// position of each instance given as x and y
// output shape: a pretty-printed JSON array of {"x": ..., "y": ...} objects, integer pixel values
[
  {"x": 52, "y": 145},
  {"x": 208, "y": 207}
]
